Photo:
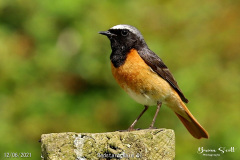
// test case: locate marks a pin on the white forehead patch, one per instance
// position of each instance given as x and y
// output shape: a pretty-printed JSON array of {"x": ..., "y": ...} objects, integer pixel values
[
  {"x": 125, "y": 26},
  {"x": 130, "y": 28}
]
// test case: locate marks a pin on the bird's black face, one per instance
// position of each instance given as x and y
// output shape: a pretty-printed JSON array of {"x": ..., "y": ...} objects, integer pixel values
[{"x": 124, "y": 37}]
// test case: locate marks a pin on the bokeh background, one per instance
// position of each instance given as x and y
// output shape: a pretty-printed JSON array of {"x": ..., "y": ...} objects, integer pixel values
[{"x": 55, "y": 71}]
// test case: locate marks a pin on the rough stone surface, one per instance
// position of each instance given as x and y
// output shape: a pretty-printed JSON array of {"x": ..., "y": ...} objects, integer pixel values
[{"x": 142, "y": 144}]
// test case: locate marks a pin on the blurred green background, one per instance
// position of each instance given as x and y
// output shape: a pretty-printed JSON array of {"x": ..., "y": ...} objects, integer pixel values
[{"x": 55, "y": 71}]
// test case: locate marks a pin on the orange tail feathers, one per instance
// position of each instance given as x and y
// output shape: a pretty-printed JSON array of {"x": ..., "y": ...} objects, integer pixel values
[{"x": 192, "y": 124}]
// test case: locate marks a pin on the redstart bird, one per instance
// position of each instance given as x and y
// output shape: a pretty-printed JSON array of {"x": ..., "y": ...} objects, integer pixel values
[{"x": 144, "y": 76}]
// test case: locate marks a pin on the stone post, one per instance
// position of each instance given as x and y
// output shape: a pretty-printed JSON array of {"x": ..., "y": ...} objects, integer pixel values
[{"x": 142, "y": 144}]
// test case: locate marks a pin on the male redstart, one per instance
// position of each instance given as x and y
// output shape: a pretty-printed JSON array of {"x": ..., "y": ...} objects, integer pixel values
[{"x": 144, "y": 76}]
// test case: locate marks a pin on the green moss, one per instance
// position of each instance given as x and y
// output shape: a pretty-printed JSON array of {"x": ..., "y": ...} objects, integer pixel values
[{"x": 143, "y": 144}]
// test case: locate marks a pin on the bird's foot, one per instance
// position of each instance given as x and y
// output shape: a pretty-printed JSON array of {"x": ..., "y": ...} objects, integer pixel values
[
  {"x": 152, "y": 127},
  {"x": 129, "y": 130}
]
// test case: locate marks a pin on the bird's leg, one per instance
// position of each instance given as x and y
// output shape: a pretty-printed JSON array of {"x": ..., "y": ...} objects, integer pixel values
[
  {"x": 131, "y": 128},
  {"x": 159, "y": 104}
]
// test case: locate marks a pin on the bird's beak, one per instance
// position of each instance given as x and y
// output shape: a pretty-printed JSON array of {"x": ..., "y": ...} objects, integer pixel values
[{"x": 107, "y": 33}]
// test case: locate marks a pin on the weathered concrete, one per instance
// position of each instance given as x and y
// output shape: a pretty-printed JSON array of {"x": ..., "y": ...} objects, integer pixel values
[{"x": 142, "y": 144}]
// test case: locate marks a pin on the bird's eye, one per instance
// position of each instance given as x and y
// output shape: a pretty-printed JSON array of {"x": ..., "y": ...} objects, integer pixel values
[{"x": 124, "y": 32}]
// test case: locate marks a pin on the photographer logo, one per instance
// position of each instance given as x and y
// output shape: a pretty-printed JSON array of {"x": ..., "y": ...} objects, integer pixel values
[{"x": 215, "y": 152}]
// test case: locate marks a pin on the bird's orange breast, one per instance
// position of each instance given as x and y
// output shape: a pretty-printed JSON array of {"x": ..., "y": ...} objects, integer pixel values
[{"x": 140, "y": 81}]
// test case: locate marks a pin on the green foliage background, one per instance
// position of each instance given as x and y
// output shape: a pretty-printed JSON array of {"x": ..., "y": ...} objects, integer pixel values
[{"x": 55, "y": 71}]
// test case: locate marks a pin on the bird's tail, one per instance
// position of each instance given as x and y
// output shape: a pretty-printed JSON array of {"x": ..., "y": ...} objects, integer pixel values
[{"x": 191, "y": 123}]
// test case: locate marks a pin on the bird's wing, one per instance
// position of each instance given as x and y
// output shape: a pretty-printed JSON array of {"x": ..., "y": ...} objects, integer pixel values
[{"x": 161, "y": 69}]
